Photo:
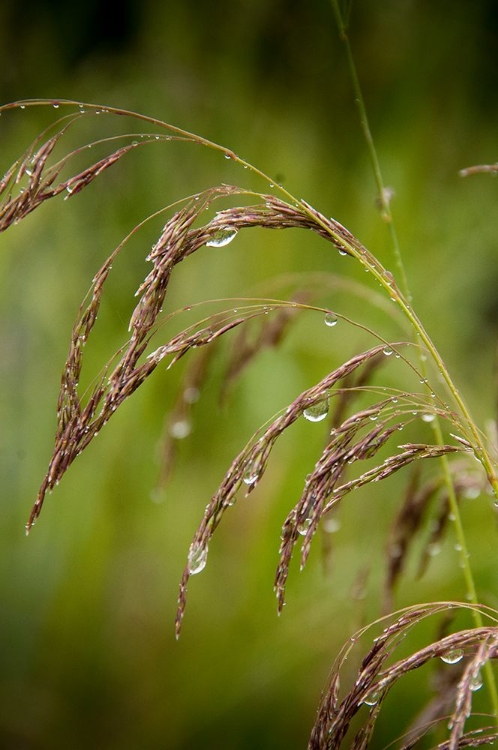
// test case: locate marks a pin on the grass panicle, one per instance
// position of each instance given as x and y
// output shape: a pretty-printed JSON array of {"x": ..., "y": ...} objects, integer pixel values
[
  {"x": 363, "y": 412},
  {"x": 471, "y": 649}
]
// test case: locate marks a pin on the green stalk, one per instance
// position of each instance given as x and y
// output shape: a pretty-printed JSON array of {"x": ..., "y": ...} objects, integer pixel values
[
  {"x": 479, "y": 448},
  {"x": 367, "y": 133}
]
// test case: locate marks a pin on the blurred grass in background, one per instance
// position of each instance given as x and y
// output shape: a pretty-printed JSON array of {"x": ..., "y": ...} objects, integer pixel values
[{"x": 87, "y": 655}]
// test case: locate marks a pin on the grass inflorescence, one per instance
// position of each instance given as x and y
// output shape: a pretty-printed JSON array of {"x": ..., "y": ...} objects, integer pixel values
[{"x": 365, "y": 415}]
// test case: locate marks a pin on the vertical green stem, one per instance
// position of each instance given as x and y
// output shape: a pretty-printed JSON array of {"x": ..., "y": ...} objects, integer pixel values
[
  {"x": 480, "y": 449},
  {"x": 383, "y": 195}
]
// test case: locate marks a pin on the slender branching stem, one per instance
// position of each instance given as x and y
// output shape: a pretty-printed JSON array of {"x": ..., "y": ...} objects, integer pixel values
[{"x": 405, "y": 303}]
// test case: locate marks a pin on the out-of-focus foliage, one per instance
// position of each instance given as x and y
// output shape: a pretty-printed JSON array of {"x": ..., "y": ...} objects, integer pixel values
[{"x": 88, "y": 655}]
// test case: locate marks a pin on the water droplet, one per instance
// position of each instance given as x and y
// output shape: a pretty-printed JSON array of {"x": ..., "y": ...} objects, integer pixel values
[
  {"x": 222, "y": 237},
  {"x": 303, "y": 527},
  {"x": 476, "y": 682},
  {"x": 330, "y": 319},
  {"x": 453, "y": 656},
  {"x": 197, "y": 558},
  {"x": 428, "y": 417},
  {"x": 191, "y": 395},
  {"x": 23, "y": 106},
  {"x": 372, "y": 698},
  {"x": 56, "y": 105},
  {"x": 387, "y": 351},
  {"x": 331, "y": 525},
  {"x": 343, "y": 252},
  {"x": 471, "y": 493},
  {"x": 180, "y": 429},
  {"x": 251, "y": 473},
  {"x": 317, "y": 412}
]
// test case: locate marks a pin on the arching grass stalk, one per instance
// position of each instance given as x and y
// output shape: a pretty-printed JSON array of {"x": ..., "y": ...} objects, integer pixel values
[
  {"x": 81, "y": 416},
  {"x": 475, "y": 438}
]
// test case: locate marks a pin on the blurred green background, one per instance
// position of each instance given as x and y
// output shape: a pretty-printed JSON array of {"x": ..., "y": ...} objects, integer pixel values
[{"x": 87, "y": 650}]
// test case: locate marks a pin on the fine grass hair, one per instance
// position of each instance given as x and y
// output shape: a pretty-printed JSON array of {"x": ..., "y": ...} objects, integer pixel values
[{"x": 362, "y": 414}]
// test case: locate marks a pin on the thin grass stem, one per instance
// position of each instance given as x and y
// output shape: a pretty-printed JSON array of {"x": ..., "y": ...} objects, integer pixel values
[{"x": 481, "y": 452}]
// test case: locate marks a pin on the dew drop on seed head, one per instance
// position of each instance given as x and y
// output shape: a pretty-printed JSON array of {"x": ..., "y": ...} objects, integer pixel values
[
  {"x": 316, "y": 412},
  {"x": 222, "y": 237},
  {"x": 387, "y": 351},
  {"x": 476, "y": 682},
  {"x": 428, "y": 417},
  {"x": 303, "y": 527},
  {"x": 343, "y": 252},
  {"x": 372, "y": 698},
  {"x": 453, "y": 656},
  {"x": 330, "y": 319},
  {"x": 197, "y": 559},
  {"x": 251, "y": 475}
]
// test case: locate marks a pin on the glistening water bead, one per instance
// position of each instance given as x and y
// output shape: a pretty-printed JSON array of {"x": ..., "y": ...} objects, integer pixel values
[
  {"x": 372, "y": 698},
  {"x": 197, "y": 559},
  {"x": 251, "y": 473},
  {"x": 316, "y": 412},
  {"x": 330, "y": 319},
  {"x": 476, "y": 682},
  {"x": 222, "y": 237},
  {"x": 303, "y": 527},
  {"x": 453, "y": 656},
  {"x": 427, "y": 417}
]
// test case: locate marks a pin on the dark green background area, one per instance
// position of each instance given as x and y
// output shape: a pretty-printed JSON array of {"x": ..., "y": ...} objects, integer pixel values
[{"x": 88, "y": 656}]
